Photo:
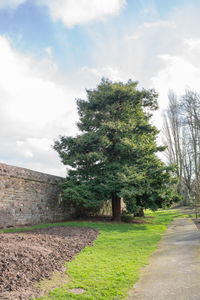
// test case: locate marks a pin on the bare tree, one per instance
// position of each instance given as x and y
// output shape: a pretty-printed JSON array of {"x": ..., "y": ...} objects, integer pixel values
[
  {"x": 173, "y": 132},
  {"x": 190, "y": 104},
  {"x": 177, "y": 137}
]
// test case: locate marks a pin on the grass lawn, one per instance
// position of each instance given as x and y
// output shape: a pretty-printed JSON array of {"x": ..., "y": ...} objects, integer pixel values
[{"x": 111, "y": 267}]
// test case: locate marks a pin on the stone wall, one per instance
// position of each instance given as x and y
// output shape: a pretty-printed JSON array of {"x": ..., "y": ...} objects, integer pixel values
[{"x": 29, "y": 197}]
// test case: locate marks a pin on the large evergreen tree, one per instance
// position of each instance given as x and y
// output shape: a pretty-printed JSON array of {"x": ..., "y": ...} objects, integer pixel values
[{"x": 115, "y": 155}]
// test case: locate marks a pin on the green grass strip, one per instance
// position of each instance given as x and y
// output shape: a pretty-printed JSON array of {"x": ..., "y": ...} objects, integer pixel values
[{"x": 112, "y": 266}]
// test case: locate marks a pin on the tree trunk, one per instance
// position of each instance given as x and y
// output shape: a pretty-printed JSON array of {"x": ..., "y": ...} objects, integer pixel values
[
  {"x": 140, "y": 213},
  {"x": 116, "y": 208}
]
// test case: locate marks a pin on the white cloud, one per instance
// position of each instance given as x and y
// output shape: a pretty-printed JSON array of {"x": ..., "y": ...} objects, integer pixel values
[
  {"x": 35, "y": 107},
  {"x": 193, "y": 43},
  {"x": 177, "y": 74},
  {"x": 48, "y": 50},
  {"x": 134, "y": 37},
  {"x": 10, "y": 4},
  {"x": 163, "y": 54},
  {"x": 141, "y": 52},
  {"x": 73, "y": 12},
  {"x": 110, "y": 72},
  {"x": 158, "y": 24}
]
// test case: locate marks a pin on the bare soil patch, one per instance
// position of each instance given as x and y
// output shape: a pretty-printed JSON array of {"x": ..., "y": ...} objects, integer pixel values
[
  {"x": 77, "y": 291},
  {"x": 29, "y": 256}
]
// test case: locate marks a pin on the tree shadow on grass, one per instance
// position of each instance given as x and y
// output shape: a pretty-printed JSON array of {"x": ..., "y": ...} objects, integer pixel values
[{"x": 105, "y": 226}]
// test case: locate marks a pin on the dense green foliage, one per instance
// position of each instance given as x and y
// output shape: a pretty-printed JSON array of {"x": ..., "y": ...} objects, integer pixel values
[{"x": 114, "y": 156}]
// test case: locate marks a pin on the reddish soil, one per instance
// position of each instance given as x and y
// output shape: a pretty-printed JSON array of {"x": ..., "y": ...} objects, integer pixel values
[{"x": 29, "y": 256}]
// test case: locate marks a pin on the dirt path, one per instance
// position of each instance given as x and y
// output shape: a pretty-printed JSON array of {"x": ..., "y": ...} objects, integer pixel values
[{"x": 174, "y": 269}]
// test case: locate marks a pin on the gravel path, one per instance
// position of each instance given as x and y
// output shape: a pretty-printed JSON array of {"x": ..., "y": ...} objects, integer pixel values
[{"x": 174, "y": 269}]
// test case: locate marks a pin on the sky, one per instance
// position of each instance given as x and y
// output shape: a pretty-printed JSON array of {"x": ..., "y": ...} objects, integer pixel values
[{"x": 52, "y": 50}]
